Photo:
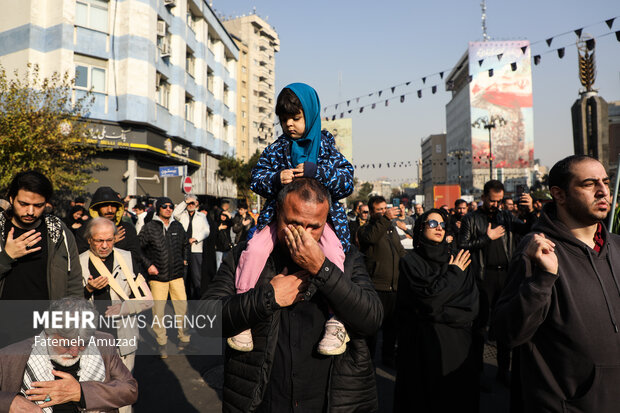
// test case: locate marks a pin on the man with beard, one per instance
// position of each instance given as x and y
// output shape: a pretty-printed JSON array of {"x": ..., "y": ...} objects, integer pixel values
[
  {"x": 454, "y": 225},
  {"x": 65, "y": 369},
  {"x": 490, "y": 235},
  {"x": 38, "y": 255},
  {"x": 107, "y": 204},
  {"x": 562, "y": 305}
]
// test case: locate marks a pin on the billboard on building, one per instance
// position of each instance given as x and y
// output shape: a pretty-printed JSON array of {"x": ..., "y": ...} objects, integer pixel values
[
  {"x": 445, "y": 195},
  {"x": 506, "y": 94},
  {"x": 342, "y": 129}
]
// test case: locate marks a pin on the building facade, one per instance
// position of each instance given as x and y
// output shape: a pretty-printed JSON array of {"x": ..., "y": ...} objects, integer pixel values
[
  {"x": 491, "y": 84},
  {"x": 259, "y": 43},
  {"x": 434, "y": 165},
  {"x": 162, "y": 74}
]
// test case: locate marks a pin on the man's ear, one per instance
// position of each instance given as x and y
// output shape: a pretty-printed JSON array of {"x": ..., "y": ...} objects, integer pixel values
[{"x": 558, "y": 194}]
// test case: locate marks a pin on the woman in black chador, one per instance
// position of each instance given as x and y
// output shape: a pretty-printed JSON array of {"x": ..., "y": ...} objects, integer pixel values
[{"x": 436, "y": 304}]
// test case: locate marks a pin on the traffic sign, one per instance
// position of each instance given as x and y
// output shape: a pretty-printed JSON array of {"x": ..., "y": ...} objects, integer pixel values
[
  {"x": 170, "y": 171},
  {"x": 187, "y": 185}
]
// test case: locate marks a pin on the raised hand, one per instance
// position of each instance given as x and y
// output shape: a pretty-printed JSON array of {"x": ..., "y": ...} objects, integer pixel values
[
  {"x": 96, "y": 283},
  {"x": 542, "y": 252},
  {"x": 462, "y": 259},
  {"x": 288, "y": 289}
]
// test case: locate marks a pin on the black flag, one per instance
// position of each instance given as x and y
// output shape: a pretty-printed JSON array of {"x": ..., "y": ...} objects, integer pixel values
[
  {"x": 618, "y": 35},
  {"x": 434, "y": 89},
  {"x": 361, "y": 109},
  {"x": 610, "y": 22},
  {"x": 441, "y": 75},
  {"x": 513, "y": 66},
  {"x": 480, "y": 62},
  {"x": 549, "y": 40},
  {"x": 374, "y": 105},
  {"x": 407, "y": 84},
  {"x": 334, "y": 117},
  {"x": 490, "y": 72},
  {"x": 393, "y": 87},
  {"x": 590, "y": 44},
  {"x": 578, "y": 32},
  {"x": 386, "y": 102},
  {"x": 424, "y": 80},
  {"x": 536, "y": 59},
  {"x": 499, "y": 56},
  {"x": 380, "y": 92},
  {"x": 402, "y": 98},
  {"x": 419, "y": 93},
  {"x": 561, "y": 52},
  {"x": 524, "y": 49}
]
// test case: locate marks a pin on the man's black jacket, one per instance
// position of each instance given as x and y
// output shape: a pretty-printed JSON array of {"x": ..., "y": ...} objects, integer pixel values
[
  {"x": 473, "y": 235},
  {"x": 350, "y": 296},
  {"x": 167, "y": 250}
]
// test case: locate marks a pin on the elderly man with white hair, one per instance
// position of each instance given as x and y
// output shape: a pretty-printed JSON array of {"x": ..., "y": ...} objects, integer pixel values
[
  {"x": 65, "y": 369},
  {"x": 110, "y": 280}
]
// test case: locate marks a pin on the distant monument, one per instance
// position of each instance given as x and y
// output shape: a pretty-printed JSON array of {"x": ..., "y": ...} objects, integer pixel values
[{"x": 590, "y": 112}]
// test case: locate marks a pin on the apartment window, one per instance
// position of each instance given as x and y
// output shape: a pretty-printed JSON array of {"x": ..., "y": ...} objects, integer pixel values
[
  {"x": 92, "y": 14},
  {"x": 243, "y": 99},
  {"x": 244, "y": 84},
  {"x": 255, "y": 92},
  {"x": 244, "y": 114},
  {"x": 162, "y": 88},
  {"x": 225, "y": 130},
  {"x": 190, "y": 62},
  {"x": 210, "y": 120},
  {"x": 210, "y": 79},
  {"x": 243, "y": 131},
  {"x": 226, "y": 94},
  {"x": 90, "y": 77},
  {"x": 244, "y": 69},
  {"x": 189, "y": 109}
]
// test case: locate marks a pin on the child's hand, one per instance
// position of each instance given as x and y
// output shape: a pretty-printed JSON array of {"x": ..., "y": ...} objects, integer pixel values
[
  {"x": 286, "y": 176},
  {"x": 298, "y": 172}
]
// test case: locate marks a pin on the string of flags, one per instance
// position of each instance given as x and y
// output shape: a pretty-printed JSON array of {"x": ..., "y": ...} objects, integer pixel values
[
  {"x": 452, "y": 160},
  {"x": 395, "y": 92}
]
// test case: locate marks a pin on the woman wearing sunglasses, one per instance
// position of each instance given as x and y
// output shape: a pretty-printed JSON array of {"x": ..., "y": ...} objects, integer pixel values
[{"x": 436, "y": 304}]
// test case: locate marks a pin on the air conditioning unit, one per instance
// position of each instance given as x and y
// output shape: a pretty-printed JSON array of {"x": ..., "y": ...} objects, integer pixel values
[
  {"x": 164, "y": 49},
  {"x": 161, "y": 28},
  {"x": 170, "y": 3}
]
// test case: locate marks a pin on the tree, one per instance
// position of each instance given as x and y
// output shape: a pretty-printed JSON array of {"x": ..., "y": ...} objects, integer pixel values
[
  {"x": 42, "y": 129},
  {"x": 240, "y": 172}
]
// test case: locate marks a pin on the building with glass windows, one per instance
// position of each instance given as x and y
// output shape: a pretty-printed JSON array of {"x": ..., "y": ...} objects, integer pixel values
[{"x": 163, "y": 77}]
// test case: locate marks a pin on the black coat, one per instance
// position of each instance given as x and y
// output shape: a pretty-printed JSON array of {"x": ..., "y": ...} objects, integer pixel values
[
  {"x": 351, "y": 297},
  {"x": 167, "y": 250},
  {"x": 435, "y": 307}
]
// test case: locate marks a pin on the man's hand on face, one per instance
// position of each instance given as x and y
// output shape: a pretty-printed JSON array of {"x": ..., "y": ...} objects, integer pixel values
[
  {"x": 22, "y": 245},
  {"x": 67, "y": 389},
  {"x": 288, "y": 289},
  {"x": 21, "y": 405},
  {"x": 526, "y": 202},
  {"x": 542, "y": 252},
  {"x": 120, "y": 235},
  {"x": 391, "y": 213},
  {"x": 305, "y": 251},
  {"x": 495, "y": 233}
]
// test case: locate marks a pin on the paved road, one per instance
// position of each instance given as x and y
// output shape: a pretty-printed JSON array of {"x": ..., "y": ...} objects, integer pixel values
[{"x": 193, "y": 384}]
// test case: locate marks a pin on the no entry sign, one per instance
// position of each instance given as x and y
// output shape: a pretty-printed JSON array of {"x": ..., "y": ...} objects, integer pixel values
[{"x": 187, "y": 185}]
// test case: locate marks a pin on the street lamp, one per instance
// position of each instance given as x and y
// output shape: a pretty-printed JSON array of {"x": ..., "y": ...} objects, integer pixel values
[
  {"x": 484, "y": 122},
  {"x": 459, "y": 154}
]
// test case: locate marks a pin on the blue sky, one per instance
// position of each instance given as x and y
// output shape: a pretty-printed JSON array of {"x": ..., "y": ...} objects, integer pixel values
[{"x": 375, "y": 45}]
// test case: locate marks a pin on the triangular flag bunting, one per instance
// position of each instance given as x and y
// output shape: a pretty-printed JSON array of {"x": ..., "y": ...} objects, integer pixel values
[
  {"x": 370, "y": 94},
  {"x": 490, "y": 72},
  {"x": 578, "y": 32},
  {"x": 380, "y": 92},
  {"x": 524, "y": 49},
  {"x": 374, "y": 105},
  {"x": 334, "y": 117},
  {"x": 434, "y": 89},
  {"x": 561, "y": 52},
  {"x": 336, "y": 106},
  {"x": 536, "y": 59},
  {"x": 499, "y": 56},
  {"x": 480, "y": 62},
  {"x": 341, "y": 115},
  {"x": 350, "y": 110},
  {"x": 357, "y": 100},
  {"x": 393, "y": 87},
  {"x": 402, "y": 98},
  {"x": 348, "y": 101},
  {"x": 610, "y": 22},
  {"x": 386, "y": 102},
  {"x": 618, "y": 35},
  {"x": 441, "y": 75},
  {"x": 408, "y": 83},
  {"x": 549, "y": 40},
  {"x": 513, "y": 66},
  {"x": 361, "y": 109},
  {"x": 590, "y": 44},
  {"x": 419, "y": 93}
]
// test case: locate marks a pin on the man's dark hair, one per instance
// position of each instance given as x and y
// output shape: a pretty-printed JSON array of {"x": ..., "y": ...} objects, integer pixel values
[
  {"x": 308, "y": 189},
  {"x": 140, "y": 205},
  {"x": 375, "y": 200},
  {"x": 224, "y": 201},
  {"x": 31, "y": 181},
  {"x": 80, "y": 200},
  {"x": 459, "y": 202},
  {"x": 506, "y": 199},
  {"x": 357, "y": 204},
  {"x": 288, "y": 104},
  {"x": 561, "y": 175},
  {"x": 493, "y": 185}
]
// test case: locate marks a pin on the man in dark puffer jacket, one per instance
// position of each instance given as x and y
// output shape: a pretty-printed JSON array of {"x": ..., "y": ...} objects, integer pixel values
[
  {"x": 164, "y": 246},
  {"x": 287, "y": 313}
]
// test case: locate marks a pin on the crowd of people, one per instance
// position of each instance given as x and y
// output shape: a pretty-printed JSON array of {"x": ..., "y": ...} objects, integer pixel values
[{"x": 313, "y": 298}]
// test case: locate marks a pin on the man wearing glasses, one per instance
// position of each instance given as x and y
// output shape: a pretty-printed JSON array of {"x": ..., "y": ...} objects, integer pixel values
[
  {"x": 491, "y": 235},
  {"x": 360, "y": 220},
  {"x": 197, "y": 229},
  {"x": 165, "y": 246}
]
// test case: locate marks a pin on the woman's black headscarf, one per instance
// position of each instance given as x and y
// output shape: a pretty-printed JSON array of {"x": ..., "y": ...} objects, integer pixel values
[{"x": 418, "y": 227}]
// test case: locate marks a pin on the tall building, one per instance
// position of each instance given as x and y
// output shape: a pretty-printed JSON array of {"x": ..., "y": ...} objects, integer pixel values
[
  {"x": 258, "y": 42},
  {"x": 162, "y": 74},
  {"x": 614, "y": 134},
  {"x": 434, "y": 165},
  {"x": 491, "y": 81}
]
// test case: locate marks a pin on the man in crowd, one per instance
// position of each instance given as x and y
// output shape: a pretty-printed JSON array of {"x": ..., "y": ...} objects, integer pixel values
[
  {"x": 491, "y": 235},
  {"x": 418, "y": 211},
  {"x": 106, "y": 203},
  {"x": 354, "y": 213},
  {"x": 242, "y": 223},
  {"x": 197, "y": 230},
  {"x": 287, "y": 311},
  {"x": 61, "y": 369},
  {"x": 382, "y": 252},
  {"x": 140, "y": 210},
  {"x": 164, "y": 246},
  {"x": 38, "y": 254},
  {"x": 360, "y": 221},
  {"x": 455, "y": 222},
  {"x": 562, "y": 305},
  {"x": 509, "y": 206},
  {"x": 473, "y": 205},
  {"x": 404, "y": 227}
]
